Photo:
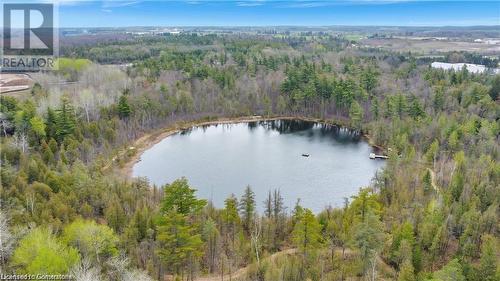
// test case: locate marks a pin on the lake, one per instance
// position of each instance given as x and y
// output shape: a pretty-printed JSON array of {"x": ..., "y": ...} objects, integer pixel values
[{"x": 222, "y": 159}]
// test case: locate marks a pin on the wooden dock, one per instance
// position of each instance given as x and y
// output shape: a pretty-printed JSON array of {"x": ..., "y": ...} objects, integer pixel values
[{"x": 375, "y": 156}]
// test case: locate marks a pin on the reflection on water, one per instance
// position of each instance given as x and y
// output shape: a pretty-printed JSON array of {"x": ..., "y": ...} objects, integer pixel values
[
  {"x": 222, "y": 159},
  {"x": 286, "y": 126}
]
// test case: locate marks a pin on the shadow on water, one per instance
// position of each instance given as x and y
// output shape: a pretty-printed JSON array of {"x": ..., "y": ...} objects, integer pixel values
[
  {"x": 305, "y": 128},
  {"x": 310, "y": 129},
  {"x": 285, "y": 126},
  {"x": 204, "y": 128}
]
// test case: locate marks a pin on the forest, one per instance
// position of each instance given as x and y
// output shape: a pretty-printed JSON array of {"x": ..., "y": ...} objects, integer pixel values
[{"x": 430, "y": 214}]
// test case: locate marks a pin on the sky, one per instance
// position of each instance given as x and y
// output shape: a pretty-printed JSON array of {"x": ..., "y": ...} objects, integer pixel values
[{"x": 120, "y": 13}]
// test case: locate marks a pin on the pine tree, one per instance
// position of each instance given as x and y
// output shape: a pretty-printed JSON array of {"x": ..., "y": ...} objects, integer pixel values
[
  {"x": 416, "y": 110},
  {"x": 37, "y": 127},
  {"x": 438, "y": 100},
  {"x": 369, "y": 239},
  {"x": 210, "y": 236},
  {"x": 366, "y": 201},
  {"x": 247, "y": 208},
  {"x": 307, "y": 237},
  {"x": 180, "y": 197},
  {"x": 279, "y": 218},
  {"x": 406, "y": 273},
  {"x": 115, "y": 215},
  {"x": 427, "y": 182},
  {"x": 495, "y": 88},
  {"x": 178, "y": 241},
  {"x": 268, "y": 205},
  {"x": 369, "y": 79},
  {"x": 401, "y": 104},
  {"x": 230, "y": 215},
  {"x": 432, "y": 152},
  {"x": 51, "y": 123},
  {"x": 123, "y": 107},
  {"x": 450, "y": 272},
  {"x": 65, "y": 120},
  {"x": 356, "y": 115},
  {"x": 307, "y": 232},
  {"x": 488, "y": 261}
]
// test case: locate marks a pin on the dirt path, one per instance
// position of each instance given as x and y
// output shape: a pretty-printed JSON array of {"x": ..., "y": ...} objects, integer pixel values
[
  {"x": 243, "y": 271},
  {"x": 382, "y": 266},
  {"x": 433, "y": 180}
]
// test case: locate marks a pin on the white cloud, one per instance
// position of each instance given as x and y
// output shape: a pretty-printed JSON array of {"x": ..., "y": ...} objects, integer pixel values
[
  {"x": 116, "y": 4},
  {"x": 325, "y": 3},
  {"x": 250, "y": 3}
]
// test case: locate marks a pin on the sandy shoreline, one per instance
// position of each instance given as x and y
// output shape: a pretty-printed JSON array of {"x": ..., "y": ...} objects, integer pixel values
[{"x": 149, "y": 140}]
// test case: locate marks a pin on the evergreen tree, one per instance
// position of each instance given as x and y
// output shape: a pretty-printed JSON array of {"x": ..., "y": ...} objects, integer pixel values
[
  {"x": 366, "y": 201},
  {"x": 65, "y": 120},
  {"x": 51, "y": 123},
  {"x": 416, "y": 110},
  {"x": 210, "y": 236},
  {"x": 495, "y": 88},
  {"x": 307, "y": 237},
  {"x": 369, "y": 79},
  {"x": 406, "y": 273},
  {"x": 268, "y": 205},
  {"x": 401, "y": 104},
  {"x": 181, "y": 198},
  {"x": 279, "y": 217},
  {"x": 450, "y": 272},
  {"x": 489, "y": 261},
  {"x": 427, "y": 182},
  {"x": 37, "y": 127},
  {"x": 247, "y": 208},
  {"x": 123, "y": 107},
  {"x": 432, "y": 152},
  {"x": 369, "y": 239},
  {"x": 178, "y": 241},
  {"x": 230, "y": 215},
  {"x": 438, "y": 100},
  {"x": 356, "y": 115},
  {"x": 180, "y": 244},
  {"x": 115, "y": 215}
]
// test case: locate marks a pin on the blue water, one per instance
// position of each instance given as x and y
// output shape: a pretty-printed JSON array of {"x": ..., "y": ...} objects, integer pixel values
[{"x": 221, "y": 159}]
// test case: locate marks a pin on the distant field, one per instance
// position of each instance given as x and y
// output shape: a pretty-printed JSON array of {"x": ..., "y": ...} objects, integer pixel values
[
  {"x": 354, "y": 37},
  {"x": 431, "y": 46}
]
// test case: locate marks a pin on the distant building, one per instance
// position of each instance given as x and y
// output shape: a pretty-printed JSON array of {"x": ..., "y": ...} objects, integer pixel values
[
  {"x": 472, "y": 68},
  {"x": 489, "y": 41}
]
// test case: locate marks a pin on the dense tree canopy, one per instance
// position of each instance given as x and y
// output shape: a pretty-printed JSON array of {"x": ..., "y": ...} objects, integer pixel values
[{"x": 431, "y": 214}]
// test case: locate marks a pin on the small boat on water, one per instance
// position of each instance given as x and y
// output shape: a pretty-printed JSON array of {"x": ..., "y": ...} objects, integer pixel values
[{"x": 305, "y": 155}]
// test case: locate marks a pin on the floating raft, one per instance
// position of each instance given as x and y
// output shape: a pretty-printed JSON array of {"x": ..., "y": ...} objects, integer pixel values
[{"x": 375, "y": 156}]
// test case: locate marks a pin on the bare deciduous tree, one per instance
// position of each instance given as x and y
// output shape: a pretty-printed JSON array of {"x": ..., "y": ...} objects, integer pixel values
[
  {"x": 6, "y": 240},
  {"x": 85, "y": 272}
]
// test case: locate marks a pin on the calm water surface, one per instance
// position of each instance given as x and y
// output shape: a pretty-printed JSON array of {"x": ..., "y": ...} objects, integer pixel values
[{"x": 222, "y": 159}]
